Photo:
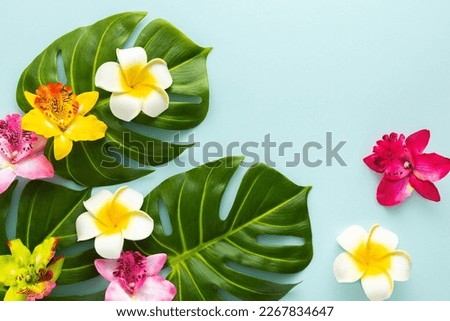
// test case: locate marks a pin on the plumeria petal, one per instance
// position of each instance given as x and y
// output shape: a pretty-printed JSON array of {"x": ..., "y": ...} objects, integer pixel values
[
  {"x": 155, "y": 102},
  {"x": 425, "y": 188},
  {"x": 34, "y": 167},
  {"x": 159, "y": 72},
  {"x": 391, "y": 193},
  {"x": 109, "y": 246},
  {"x": 139, "y": 227},
  {"x": 418, "y": 141},
  {"x": 86, "y": 227},
  {"x": 155, "y": 263},
  {"x": 129, "y": 198},
  {"x": 384, "y": 237},
  {"x": 115, "y": 292},
  {"x": 106, "y": 268},
  {"x": 109, "y": 77},
  {"x": 156, "y": 288},
  {"x": 431, "y": 167},
  {"x": 87, "y": 101},
  {"x": 377, "y": 287},
  {"x": 36, "y": 121},
  {"x": 400, "y": 266},
  {"x": 125, "y": 106},
  {"x": 346, "y": 268},
  {"x": 62, "y": 146},
  {"x": 87, "y": 128},
  {"x": 98, "y": 201},
  {"x": 352, "y": 238},
  {"x": 131, "y": 61},
  {"x": 7, "y": 176}
]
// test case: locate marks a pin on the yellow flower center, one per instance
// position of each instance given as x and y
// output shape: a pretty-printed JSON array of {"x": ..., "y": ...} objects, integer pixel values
[
  {"x": 112, "y": 218},
  {"x": 138, "y": 81},
  {"x": 373, "y": 259},
  {"x": 58, "y": 103}
]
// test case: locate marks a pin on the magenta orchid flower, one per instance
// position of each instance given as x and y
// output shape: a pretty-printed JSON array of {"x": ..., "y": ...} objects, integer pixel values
[
  {"x": 405, "y": 167},
  {"x": 134, "y": 277},
  {"x": 19, "y": 153}
]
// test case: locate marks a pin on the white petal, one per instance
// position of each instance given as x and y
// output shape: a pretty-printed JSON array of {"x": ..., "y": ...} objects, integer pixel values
[
  {"x": 384, "y": 237},
  {"x": 129, "y": 198},
  {"x": 131, "y": 57},
  {"x": 139, "y": 227},
  {"x": 155, "y": 103},
  {"x": 160, "y": 72},
  {"x": 377, "y": 287},
  {"x": 346, "y": 269},
  {"x": 352, "y": 238},
  {"x": 109, "y": 77},
  {"x": 109, "y": 246},
  {"x": 98, "y": 201},
  {"x": 86, "y": 227},
  {"x": 125, "y": 106},
  {"x": 400, "y": 266}
]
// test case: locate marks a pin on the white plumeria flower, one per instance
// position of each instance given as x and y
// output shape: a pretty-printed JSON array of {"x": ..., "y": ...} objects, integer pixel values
[
  {"x": 136, "y": 85},
  {"x": 113, "y": 218},
  {"x": 373, "y": 258}
]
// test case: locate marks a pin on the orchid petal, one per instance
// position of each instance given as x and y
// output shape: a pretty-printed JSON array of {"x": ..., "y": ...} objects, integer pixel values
[
  {"x": 155, "y": 102},
  {"x": 431, "y": 167},
  {"x": 155, "y": 263},
  {"x": 8, "y": 270},
  {"x": 30, "y": 98},
  {"x": 377, "y": 287},
  {"x": 384, "y": 237},
  {"x": 109, "y": 77},
  {"x": 7, "y": 176},
  {"x": 62, "y": 146},
  {"x": 86, "y": 128},
  {"x": 352, "y": 238},
  {"x": 400, "y": 266},
  {"x": 156, "y": 288},
  {"x": 86, "y": 102},
  {"x": 418, "y": 141},
  {"x": 373, "y": 162},
  {"x": 56, "y": 268},
  {"x": 109, "y": 246},
  {"x": 396, "y": 170},
  {"x": 125, "y": 106},
  {"x": 129, "y": 198},
  {"x": 44, "y": 252},
  {"x": 39, "y": 144},
  {"x": 36, "y": 121},
  {"x": 98, "y": 201},
  {"x": 34, "y": 167},
  {"x": 86, "y": 227},
  {"x": 391, "y": 193},
  {"x": 346, "y": 269},
  {"x": 425, "y": 188},
  {"x": 13, "y": 295},
  {"x": 106, "y": 268},
  {"x": 159, "y": 72},
  {"x": 139, "y": 227},
  {"x": 20, "y": 252},
  {"x": 115, "y": 292}
]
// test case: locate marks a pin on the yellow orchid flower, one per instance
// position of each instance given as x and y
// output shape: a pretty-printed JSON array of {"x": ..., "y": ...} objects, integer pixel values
[{"x": 59, "y": 113}]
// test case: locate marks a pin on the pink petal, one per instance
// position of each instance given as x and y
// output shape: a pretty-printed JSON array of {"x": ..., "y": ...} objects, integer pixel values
[
  {"x": 115, "y": 292},
  {"x": 425, "y": 188},
  {"x": 156, "y": 288},
  {"x": 7, "y": 176},
  {"x": 34, "y": 167},
  {"x": 155, "y": 263},
  {"x": 391, "y": 193},
  {"x": 372, "y": 161},
  {"x": 396, "y": 170},
  {"x": 431, "y": 167},
  {"x": 417, "y": 142},
  {"x": 106, "y": 268}
]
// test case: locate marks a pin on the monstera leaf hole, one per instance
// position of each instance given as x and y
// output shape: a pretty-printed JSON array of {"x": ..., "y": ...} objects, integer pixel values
[
  {"x": 213, "y": 257},
  {"x": 166, "y": 224}
]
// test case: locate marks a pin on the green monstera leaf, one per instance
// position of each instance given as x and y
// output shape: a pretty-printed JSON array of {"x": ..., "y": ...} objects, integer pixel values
[
  {"x": 79, "y": 54},
  {"x": 5, "y": 202},
  {"x": 205, "y": 252}
]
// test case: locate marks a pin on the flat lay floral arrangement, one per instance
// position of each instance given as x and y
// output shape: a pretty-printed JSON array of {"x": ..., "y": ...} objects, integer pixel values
[{"x": 78, "y": 99}]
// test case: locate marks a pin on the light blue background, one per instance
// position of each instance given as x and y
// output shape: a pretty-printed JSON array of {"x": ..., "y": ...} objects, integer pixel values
[{"x": 297, "y": 69}]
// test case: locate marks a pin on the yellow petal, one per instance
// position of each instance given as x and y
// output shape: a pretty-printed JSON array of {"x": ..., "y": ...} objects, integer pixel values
[
  {"x": 87, "y": 101},
  {"x": 62, "y": 146},
  {"x": 30, "y": 98},
  {"x": 86, "y": 128},
  {"x": 36, "y": 122}
]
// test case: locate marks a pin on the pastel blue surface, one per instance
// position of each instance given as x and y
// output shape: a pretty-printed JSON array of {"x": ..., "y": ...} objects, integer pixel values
[{"x": 297, "y": 69}]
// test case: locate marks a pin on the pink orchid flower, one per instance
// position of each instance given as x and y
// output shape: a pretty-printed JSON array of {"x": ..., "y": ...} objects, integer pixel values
[
  {"x": 135, "y": 277},
  {"x": 19, "y": 153},
  {"x": 405, "y": 167}
]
